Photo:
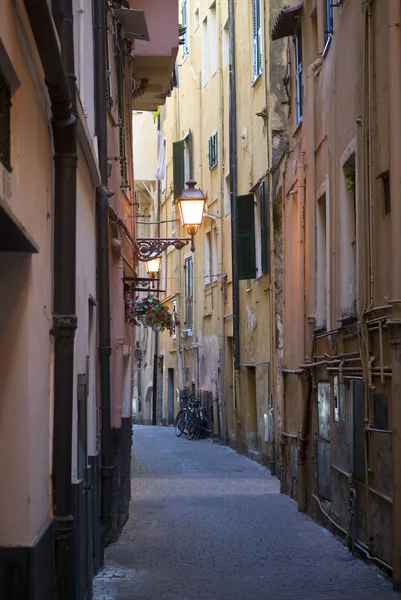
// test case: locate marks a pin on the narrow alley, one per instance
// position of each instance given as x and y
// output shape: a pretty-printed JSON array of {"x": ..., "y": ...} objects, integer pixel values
[{"x": 207, "y": 523}]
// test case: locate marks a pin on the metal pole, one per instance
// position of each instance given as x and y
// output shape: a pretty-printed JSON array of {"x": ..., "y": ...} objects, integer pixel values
[
  {"x": 102, "y": 217},
  {"x": 156, "y": 346}
]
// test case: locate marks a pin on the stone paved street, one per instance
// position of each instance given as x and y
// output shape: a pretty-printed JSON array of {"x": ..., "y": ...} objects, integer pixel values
[{"x": 209, "y": 524}]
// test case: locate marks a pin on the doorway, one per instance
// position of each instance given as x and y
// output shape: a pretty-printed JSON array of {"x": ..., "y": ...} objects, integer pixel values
[
  {"x": 323, "y": 440},
  {"x": 170, "y": 396}
]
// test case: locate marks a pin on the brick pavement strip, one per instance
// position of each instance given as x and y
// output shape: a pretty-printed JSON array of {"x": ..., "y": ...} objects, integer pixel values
[{"x": 208, "y": 524}]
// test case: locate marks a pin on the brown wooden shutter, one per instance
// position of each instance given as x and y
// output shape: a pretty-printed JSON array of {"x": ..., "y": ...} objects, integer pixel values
[{"x": 245, "y": 237}]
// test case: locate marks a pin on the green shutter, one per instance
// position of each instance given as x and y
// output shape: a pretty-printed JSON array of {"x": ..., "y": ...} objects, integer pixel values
[
  {"x": 245, "y": 237},
  {"x": 178, "y": 168},
  {"x": 265, "y": 227}
]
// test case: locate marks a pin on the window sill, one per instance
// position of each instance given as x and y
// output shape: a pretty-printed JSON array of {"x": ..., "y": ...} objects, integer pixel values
[
  {"x": 327, "y": 45},
  {"x": 298, "y": 127},
  {"x": 257, "y": 79}
]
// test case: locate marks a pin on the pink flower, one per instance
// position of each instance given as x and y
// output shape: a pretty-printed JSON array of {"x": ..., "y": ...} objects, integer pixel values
[
  {"x": 149, "y": 307},
  {"x": 150, "y": 318},
  {"x": 177, "y": 322}
]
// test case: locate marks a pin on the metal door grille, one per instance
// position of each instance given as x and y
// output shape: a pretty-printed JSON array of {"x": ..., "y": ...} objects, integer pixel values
[{"x": 5, "y": 112}]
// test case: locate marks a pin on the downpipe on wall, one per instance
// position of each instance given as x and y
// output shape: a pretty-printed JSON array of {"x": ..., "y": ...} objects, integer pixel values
[
  {"x": 103, "y": 251},
  {"x": 233, "y": 196},
  {"x": 394, "y": 71},
  {"x": 61, "y": 88}
]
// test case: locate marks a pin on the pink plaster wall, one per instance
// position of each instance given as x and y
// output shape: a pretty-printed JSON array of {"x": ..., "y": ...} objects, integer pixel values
[{"x": 162, "y": 19}]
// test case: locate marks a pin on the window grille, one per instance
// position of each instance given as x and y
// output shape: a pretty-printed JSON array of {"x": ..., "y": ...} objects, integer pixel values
[
  {"x": 5, "y": 123},
  {"x": 120, "y": 110},
  {"x": 188, "y": 292},
  {"x": 257, "y": 39},
  {"x": 299, "y": 77},
  {"x": 109, "y": 97},
  {"x": 184, "y": 21},
  {"x": 213, "y": 151},
  {"x": 328, "y": 25}
]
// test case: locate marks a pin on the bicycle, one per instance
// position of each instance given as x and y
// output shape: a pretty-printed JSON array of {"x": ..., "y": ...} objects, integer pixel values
[
  {"x": 183, "y": 417},
  {"x": 198, "y": 424}
]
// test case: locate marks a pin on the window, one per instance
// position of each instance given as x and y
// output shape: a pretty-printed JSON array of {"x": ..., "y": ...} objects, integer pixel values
[
  {"x": 196, "y": 19},
  {"x": 109, "y": 89},
  {"x": 173, "y": 222},
  {"x": 208, "y": 262},
  {"x": 205, "y": 54},
  {"x": 386, "y": 192},
  {"x": 245, "y": 237},
  {"x": 188, "y": 292},
  {"x": 213, "y": 41},
  {"x": 348, "y": 240},
  {"x": 188, "y": 161},
  {"x": 264, "y": 228},
  {"x": 328, "y": 21},
  {"x": 226, "y": 47},
  {"x": 174, "y": 336},
  {"x": 321, "y": 263},
  {"x": 214, "y": 261},
  {"x": 257, "y": 38},
  {"x": 184, "y": 22},
  {"x": 299, "y": 77},
  {"x": 5, "y": 123},
  {"x": 213, "y": 151},
  {"x": 120, "y": 109}
]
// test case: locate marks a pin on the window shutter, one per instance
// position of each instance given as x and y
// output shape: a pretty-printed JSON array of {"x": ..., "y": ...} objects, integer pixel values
[
  {"x": 255, "y": 39},
  {"x": 265, "y": 228},
  {"x": 178, "y": 168},
  {"x": 120, "y": 107},
  {"x": 188, "y": 292},
  {"x": 245, "y": 234},
  {"x": 259, "y": 36}
]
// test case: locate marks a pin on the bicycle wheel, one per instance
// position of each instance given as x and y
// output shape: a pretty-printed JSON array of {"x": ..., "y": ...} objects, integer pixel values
[
  {"x": 194, "y": 428},
  {"x": 180, "y": 423}
]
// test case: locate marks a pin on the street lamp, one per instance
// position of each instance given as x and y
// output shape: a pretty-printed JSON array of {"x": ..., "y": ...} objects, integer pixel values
[
  {"x": 153, "y": 266},
  {"x": 191, "y": 204}
]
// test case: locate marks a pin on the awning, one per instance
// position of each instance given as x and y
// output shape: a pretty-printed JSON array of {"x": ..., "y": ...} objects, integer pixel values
[
  {"x": 13, "y": 235},
  {"x": 287, "y": 22},
  {"x": 133, "y": 22}
]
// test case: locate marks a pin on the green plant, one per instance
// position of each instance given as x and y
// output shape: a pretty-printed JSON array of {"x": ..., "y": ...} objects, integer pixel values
[{"x": 350, "y": 181}]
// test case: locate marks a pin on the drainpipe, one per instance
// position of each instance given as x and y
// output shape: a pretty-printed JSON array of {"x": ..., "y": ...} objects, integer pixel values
[
  {"x": 233, "y": 185},
  {"x": 311, "y": 219},
  {"x": 215, "y": 405},
  {"x": 306, "y": 399},
  {"x": 394, "y": 69},
  {"x": 62, "y": 96},
  {"x": 156, "y": 345},
  {"x": 102, "y": 217}
]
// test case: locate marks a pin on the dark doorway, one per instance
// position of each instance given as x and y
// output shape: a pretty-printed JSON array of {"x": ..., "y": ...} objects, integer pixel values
[
  {"x": 170, "y": 398},
  {"x": 323, "y": 440}
]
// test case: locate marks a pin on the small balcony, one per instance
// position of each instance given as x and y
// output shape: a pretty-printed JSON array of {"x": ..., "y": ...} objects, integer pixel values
[{"x": 154, "y": 60}]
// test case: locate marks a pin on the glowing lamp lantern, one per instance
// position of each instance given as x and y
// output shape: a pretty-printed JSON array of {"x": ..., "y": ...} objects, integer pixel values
[
  {"x": 191, "y": 204},
  {"x": 153, "y": 266}
]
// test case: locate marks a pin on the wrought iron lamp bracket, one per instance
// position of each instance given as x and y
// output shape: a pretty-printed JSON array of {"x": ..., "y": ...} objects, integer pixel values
[{"x": 152, "y": 247}]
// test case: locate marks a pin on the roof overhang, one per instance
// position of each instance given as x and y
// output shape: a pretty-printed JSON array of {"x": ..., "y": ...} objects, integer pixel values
[
  {"x": 133, "y": 22},
  {"x": 287, "y": 22}
]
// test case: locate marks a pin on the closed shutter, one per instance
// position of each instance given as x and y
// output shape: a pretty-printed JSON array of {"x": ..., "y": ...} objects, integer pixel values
[
  {"x": 265, "y": 228},
  {"x": 245, "y": 234},
  {"x": 178, "y": 168}
]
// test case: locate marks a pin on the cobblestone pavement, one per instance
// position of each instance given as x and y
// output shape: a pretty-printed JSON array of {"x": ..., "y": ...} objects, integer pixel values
[{"x": 208, "y": 524}]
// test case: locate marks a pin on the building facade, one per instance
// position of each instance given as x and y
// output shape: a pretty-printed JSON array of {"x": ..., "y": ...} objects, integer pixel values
[
  {"x": 70, "y": 76},
  {"x": 336, "y": 204}
]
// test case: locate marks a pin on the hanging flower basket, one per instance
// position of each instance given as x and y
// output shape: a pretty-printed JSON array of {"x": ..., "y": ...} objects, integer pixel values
[{"x": 151, "y": 312}]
